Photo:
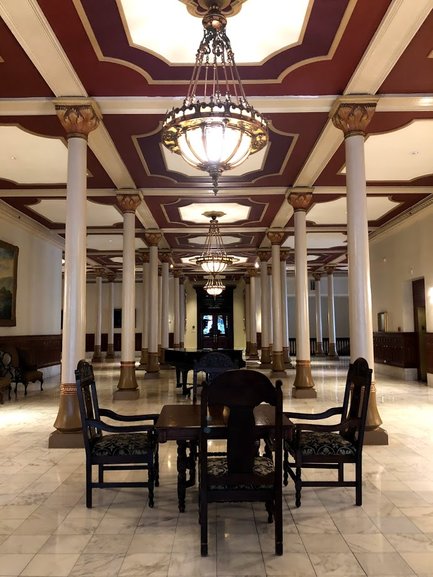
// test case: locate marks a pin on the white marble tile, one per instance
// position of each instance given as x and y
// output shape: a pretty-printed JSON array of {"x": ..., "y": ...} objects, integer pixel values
[
  {"x": 13, "y": 563},
  {"x": 52, "y": 565},
  {"x": 336, "y": 565},
  {"x": 391, "y": 564}
]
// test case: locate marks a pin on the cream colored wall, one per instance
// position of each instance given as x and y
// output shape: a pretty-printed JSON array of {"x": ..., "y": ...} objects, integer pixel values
[
  {"x": 397, "y": 257},
  {"x": 39, "y": 276}
]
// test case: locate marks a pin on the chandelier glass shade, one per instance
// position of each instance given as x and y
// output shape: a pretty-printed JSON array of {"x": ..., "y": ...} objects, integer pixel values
[
  {"x": 218, "y": 129},
  {"x": 214, "y": 286},
  {"x": 214, "y": 259}
]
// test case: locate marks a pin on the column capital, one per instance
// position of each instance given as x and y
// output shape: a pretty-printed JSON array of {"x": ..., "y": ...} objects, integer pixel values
[
  {"x": 152, "y": 237},
  {"x": 264, "y": 255},
  {"x": 78, "y": 116},
  {"x": 352, "y": 114},
  {"x": 128, "y": 202},
  {"x": 275, "y": 236},
  {"x": 111, "y": 276},
  {"x": 330, "y": 269},
  {"x": 253, "y": 272},
  {"x": 317, "y": 276},
  {"x": 284, "y": 255},
  {"x": 99, "y": 272},
  {"x": 144, "y": 255},
  {"x": 300, "y": 199},
  {"x": 165, "y": 257}
]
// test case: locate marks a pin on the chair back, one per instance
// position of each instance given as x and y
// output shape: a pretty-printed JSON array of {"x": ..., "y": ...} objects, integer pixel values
[
  {"x": 241, "y": 391},
  {"x": 87, "y": 401},
  {"x": 213, "y": 364},
  {"x": 355, "y": 403}
]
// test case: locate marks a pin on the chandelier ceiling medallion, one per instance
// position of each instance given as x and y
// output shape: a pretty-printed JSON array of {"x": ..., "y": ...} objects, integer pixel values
[
  {"x": 216, "y": 128},
  {"x": 214, "y": 259}
]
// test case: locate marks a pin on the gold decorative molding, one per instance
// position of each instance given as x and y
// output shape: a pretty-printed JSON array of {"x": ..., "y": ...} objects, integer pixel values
[
  {"x": 330, "y": 269},
  {"x": 284, "y": 255},
  {"x": 78, "y": 116},
  {"x": 152, "y": 238},
  {"x": 111, "y": 277},
  {"x": 128, "y": 202},
  {"x": 99, "y": 272},
  {"x": 300, "y": 200},
  {"x": 165, "y": 257},
  {"x": 276, "y": 236},
  {"x": 352, "y": 115}
]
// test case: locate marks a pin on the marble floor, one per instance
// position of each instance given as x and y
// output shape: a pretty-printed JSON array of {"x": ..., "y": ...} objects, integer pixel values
[{"x": 46, "y": 530}]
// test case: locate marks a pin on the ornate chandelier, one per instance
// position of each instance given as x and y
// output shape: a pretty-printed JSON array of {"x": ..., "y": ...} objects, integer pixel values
[
  {"x": 219, "y": 129},
  {"x": 214, "y": 285},
  {"x": 214, "y": 259}
]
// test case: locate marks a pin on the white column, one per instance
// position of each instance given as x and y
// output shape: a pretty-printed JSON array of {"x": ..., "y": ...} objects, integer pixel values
[
  {"x": 165, "y": 278},
  {"x": 276, "y": 237},
  {"x": 152, "y": 240},
  {"x": 145, "y": 316},
  {"x": 78, "y": 119},
  {"x": 97, "y": 356},
  {"x": 110, "y": 331},
  {"x": 127, "y": 388},
  {"x": 332, "y": 352},
  {"x": 303, "y": 387},
  {"x": 318, "y": 299},
  {"x": 352, "y": 117},
  {"x": 253, "y": 319},
  {"x": 182, "y": 312},
  {"x": 284, "y": 309},
  {"x": 247, "y": 316},
  {"x": 176, "y": 303},
  {"x": 265, "y": 305}
]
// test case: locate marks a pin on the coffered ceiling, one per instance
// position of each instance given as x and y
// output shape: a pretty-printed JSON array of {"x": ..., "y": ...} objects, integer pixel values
[{"x": 134, "y": 58}]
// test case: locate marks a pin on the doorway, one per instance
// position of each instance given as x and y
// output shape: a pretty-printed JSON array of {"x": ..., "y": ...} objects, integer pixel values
[
  {"x": 215, "y": 319},
  {"x": 418, "y": 295}
]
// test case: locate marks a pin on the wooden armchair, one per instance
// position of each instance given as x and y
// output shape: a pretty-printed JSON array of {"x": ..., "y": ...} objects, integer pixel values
[
  {"x": 241, "y": 474},
  {"x": 212, "y": 364},
  {"x": 126, "y": 447},
  {"x": 331, "y": 446},
  {"x": 23, "y": 368},
  {"x": 5, "y": 374}
]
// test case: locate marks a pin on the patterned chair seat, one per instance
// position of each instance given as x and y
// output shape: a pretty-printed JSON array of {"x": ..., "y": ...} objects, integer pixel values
[
  {"x": 121, "y": 444},
  {"x": 323, "y": 443},
  {"x": 263, "y": 471}
]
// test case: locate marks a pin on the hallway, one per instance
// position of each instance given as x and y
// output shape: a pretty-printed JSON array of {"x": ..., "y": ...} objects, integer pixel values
[{"x": 46, "y": 531}]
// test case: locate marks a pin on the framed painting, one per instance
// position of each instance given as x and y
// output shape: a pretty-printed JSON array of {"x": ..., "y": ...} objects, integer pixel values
[{"x": 8, "y": 284}]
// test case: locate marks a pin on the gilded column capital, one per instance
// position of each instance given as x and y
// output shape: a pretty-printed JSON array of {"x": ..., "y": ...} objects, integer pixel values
[
  {"x": 253, "y": 272},
  {"x": 111, "y": 277},
  {"x": 128, "y": 202},
  {"x": 144, "y": 256},
  {"x": 78, "y": 116},
  {"x": 165, "y": 257},
  {"x": 330, "y": 269},
  {"x": 177, "y": 273},
  {"x": 276, "y": 236},
  {"x": 264, "y": 255},
  {"x": 284, "y": 255},
  {"x": 301, "y": 200},
  {"x": 317, "y": 276},
  {"x": 152, "y": 237},
  {"x": 99, "y": 272},
  {"x": 352, "y": 115}
]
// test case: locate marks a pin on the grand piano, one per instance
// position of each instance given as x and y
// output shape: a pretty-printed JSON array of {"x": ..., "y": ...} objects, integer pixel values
[{"x": 183, "y": 361}]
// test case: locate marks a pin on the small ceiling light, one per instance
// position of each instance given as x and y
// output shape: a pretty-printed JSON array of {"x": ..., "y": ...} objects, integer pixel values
[
  {"x": 214, "y": 285},
  {"x": 214, "y": 258},
  {"x": 219, "y": 129}
]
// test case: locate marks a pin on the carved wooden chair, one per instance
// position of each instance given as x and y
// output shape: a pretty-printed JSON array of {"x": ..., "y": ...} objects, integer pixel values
[
  {"x": 331, "y": 446},
  {"x": 241, "y": 474},
  {"x": 5, "y": 374},
  {"x": 125, "y": 447},
  {"x": 212, "y": 364}
]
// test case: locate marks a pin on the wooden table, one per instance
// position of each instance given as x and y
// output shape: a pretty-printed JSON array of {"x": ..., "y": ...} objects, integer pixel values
[{"x": 181, "y": 423}]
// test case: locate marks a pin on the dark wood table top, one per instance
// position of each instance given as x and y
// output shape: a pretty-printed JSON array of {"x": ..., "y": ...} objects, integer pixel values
[{"x": 182, "y": 422}]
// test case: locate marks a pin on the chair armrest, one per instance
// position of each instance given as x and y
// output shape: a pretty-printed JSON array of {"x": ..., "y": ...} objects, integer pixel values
[
  {"x": 128, "y": 418},
  {"x": 315, "y": 416},
  {"x": 120, "y": 428},
  {"x": 299, "y": 427}
]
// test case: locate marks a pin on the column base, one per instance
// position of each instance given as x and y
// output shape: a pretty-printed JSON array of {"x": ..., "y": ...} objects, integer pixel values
[
  {"x": 265, "y": 358},
  {"x": 253, "y": 352},
  {"x": 278, "y": 365},
  {"x": 152, "y": 369},
  {"x": 332, "y": 353},
  {"x": 247, "y": 348},
  {"x": 110, "y": 352},
  {"x": 303, "y": 386},
  {"x": 127, "y": 380},
  {"x": 286, "y": 358},
  {"x": 97, "y": 355},
  {"x": 376, "y": 437},
  {"x": 143, "y": 358},
  {"x": 68, "y": 418},
  {"x": 59, "y": 440},
  {"x": 126, "y": 395},
  {"x": 319, "y": 350}
]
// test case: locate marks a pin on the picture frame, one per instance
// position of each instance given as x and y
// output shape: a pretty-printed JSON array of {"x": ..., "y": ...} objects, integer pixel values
[
  {"x": 382, "y": 322},
  {"x": 8, "y": 283}
]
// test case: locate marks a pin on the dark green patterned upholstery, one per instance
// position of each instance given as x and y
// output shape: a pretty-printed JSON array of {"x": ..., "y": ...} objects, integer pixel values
[
  {"x": 263, "y": 472},
  {"x": 318, "y": 443},
  {"x": 121, "y": 444}
]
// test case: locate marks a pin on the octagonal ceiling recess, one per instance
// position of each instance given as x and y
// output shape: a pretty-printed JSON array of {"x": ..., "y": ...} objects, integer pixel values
[
  {"x": 233, "y": 212},
  {"x": 172, "y": 33}
]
